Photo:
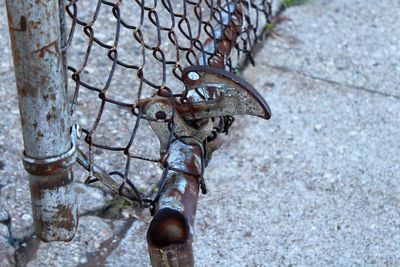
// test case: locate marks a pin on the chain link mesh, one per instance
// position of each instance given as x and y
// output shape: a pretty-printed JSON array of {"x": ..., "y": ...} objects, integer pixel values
[{"x": 123, "y": 51}]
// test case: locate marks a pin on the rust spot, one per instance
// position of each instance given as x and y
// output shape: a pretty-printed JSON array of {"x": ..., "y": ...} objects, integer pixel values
[
  {"x": 36, "y": 24},
  {"x": 25, "y": 88},
  {"x": 190, "y": 197},
  {"x": 47, "y": 49},
  {"x": 52, "y": 114},
  {"x": 224, "y": 47},
  {"x": 65, "y": 218},
  {"x": 53, "y": 97},
  {"x": 168, "y": 227},
  {"x": 59, "y": 179},
  {"x": 22, "y": 25},
  {"x": 217, "y": 61},
  {"x": 45, "y": 97},
  {"x": 23, "y": 121},
  {"x": 62, "y": 215},
  {"x": 22, "y": 92},
  {"x": 230, "y": 34},
  {"x": 43, "y": 80}
]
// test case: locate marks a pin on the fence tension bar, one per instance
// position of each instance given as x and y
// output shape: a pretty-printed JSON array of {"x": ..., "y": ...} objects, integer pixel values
[{"x": 35, "y": 33}]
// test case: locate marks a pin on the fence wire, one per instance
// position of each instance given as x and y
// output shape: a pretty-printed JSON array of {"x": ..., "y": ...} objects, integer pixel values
[{"x": 124, "y": 51}]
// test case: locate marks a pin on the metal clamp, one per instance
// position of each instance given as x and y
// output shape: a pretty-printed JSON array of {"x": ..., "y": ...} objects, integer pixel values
[
  {"x": 224, "y": 94},
  {"x": 52, "y": 165}
]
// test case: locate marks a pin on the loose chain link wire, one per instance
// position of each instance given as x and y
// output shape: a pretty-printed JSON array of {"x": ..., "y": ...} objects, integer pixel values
[{"x": 150, "y": 43}]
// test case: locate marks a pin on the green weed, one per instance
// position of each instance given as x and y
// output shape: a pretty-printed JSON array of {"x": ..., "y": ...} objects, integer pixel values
[{"x": 289, "y": 3}]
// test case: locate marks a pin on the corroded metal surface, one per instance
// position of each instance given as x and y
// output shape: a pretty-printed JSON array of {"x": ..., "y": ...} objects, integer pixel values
[
  {"x": 35, "y": 38},
  {"x": 50, "y": 165},
  {"x": 235, "y": 96},
  {"x": 186, "y": 153},
  {"x": 54, "y": 205},
  {"x": 181, "y": 128},
  {"x": 171, "y": 231},
  {"x": 36, "y": 45},
  {"x": 186, "y": 109},
  {"x": 152, "y": 43},
  {"x": 231, "y": 95},
  {"x": 193, "y": 102}
]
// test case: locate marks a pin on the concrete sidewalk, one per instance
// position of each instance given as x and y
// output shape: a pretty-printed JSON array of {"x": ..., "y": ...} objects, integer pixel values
[{"x": 317, "y": 185}]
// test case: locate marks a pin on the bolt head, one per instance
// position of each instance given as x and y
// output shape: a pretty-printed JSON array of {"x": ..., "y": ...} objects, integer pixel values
[
  {"x": 194, "y": 76},
  {"x": 160, "y": 115}
]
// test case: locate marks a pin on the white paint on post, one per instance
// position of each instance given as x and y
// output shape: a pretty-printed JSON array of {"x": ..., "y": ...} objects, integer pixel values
[{"x": 39, "y": 70}]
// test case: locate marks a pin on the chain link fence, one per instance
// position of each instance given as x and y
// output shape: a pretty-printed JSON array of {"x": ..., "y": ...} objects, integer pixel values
[{"x": 121, "y": 53}]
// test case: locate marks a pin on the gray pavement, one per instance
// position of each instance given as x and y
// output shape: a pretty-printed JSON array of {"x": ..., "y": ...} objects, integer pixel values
[{"x": 317, "y": 185}]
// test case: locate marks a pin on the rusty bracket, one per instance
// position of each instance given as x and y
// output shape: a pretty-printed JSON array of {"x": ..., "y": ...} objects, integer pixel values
[
  {"x": 160, "y": 112},
  {"x": 223, "y": 94},
  {"x": 212, "y": 92},
  {"x": 233, "y": 95}
]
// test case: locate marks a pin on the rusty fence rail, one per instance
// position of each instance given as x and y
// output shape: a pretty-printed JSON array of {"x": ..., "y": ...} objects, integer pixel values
[{"x": 181, "y": 60}]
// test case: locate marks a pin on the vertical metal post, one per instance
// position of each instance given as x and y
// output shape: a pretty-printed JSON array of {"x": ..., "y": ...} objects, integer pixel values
[
  {"x": 64, "y": 39},
  {"x": 49, "y": 153}
]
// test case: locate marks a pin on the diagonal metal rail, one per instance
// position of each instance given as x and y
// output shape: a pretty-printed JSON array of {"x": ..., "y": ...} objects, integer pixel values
[{"x": 170, "y": 234}]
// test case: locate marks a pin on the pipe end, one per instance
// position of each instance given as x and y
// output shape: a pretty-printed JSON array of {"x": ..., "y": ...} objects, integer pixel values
[{"x": 168, "y": 227}]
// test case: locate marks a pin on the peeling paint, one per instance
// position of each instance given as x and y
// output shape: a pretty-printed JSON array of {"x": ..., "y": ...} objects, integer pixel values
[
  {"x": 178, "y": 201},
  {"x": 54, "y": 206},
  {"x": 22, "y": 25},
  {"x": 47, "y": 49},
  {"x": 35, "y": 34}
]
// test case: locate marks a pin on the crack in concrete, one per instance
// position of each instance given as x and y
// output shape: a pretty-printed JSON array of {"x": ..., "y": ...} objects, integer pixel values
[
  {"x": 110, "y": 210},
  {"x": 23, "y": 254},
  {"x": 98, "y": 185},
  {"x": 26, "y": 249},
  {"x": 16, "y": 243},
  {"x": 106, "y": 248},
  {"x": 10, "y": 239},
  {"x": 332, "y": 82}
]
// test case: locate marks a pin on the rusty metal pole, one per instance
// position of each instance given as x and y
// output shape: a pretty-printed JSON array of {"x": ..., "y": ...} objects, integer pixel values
[
  {"x": 170, "y": 234},
  {"x": 49, "y": 153}
]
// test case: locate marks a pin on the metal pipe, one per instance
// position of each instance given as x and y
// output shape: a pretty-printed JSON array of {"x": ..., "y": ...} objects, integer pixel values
[
  {"x": 170, "y": 234},
  {"x": 49, "y": 154}
]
